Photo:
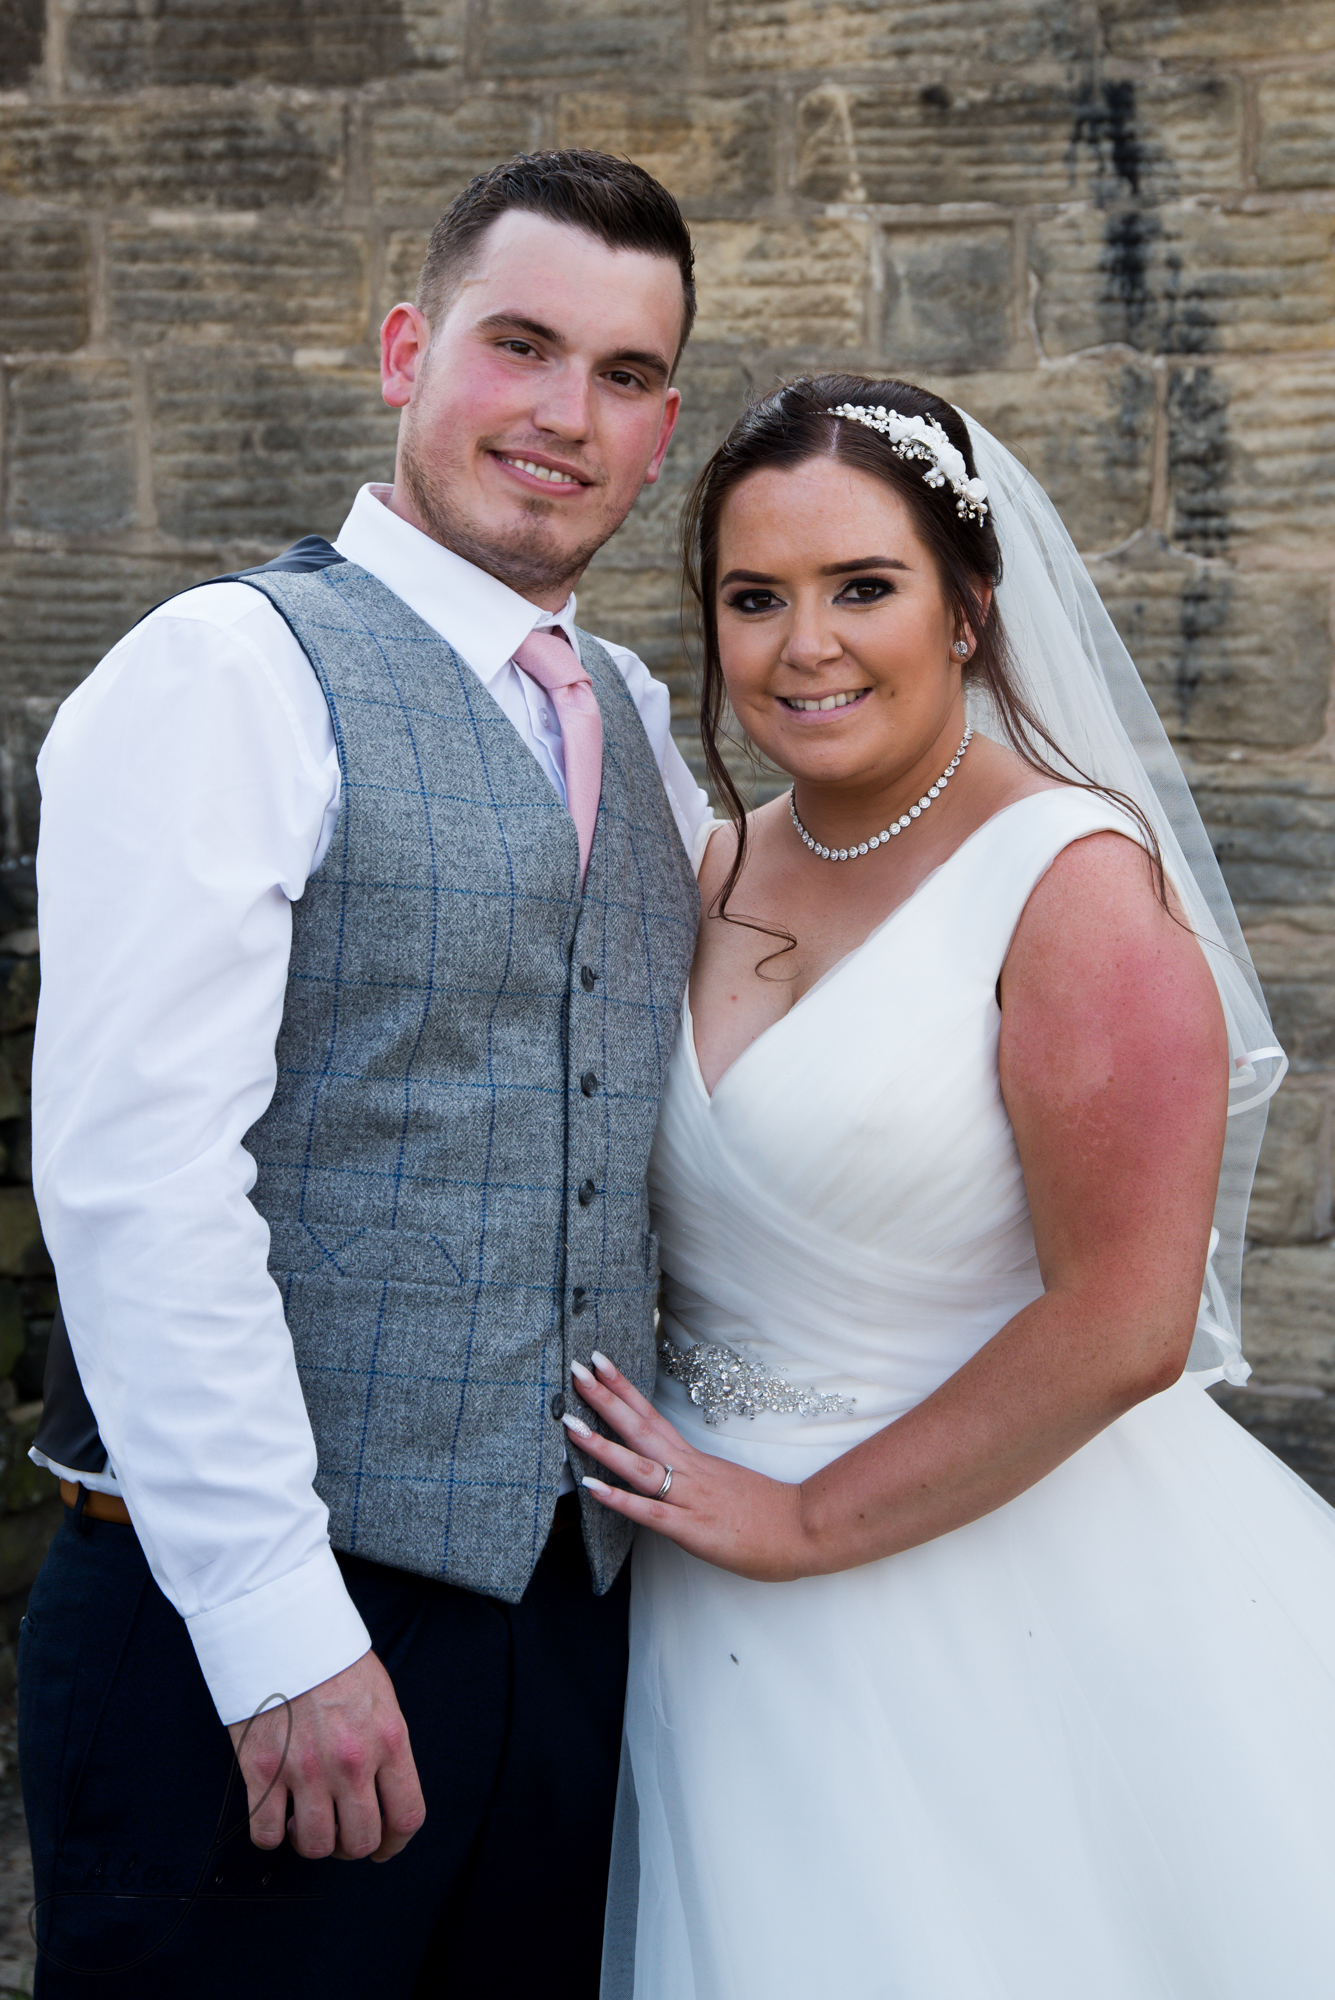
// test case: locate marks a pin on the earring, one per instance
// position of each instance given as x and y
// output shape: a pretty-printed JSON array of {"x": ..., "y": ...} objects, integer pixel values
[{"x": 962, "y": 648}]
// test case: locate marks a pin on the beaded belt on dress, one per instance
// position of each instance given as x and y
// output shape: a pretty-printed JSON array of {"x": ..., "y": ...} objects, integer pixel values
[{"x": 722, "y": 1384}]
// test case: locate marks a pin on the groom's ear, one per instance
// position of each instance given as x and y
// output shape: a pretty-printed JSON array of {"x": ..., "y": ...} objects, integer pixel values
[
  {"x": 671, "y": 411},
  {"x": 404, "y": 340}
]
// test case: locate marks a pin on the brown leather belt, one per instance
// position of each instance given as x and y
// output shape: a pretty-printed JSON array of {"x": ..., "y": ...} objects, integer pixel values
[
  {"x": 96, "y": 1506},
  {"x": 110, "y": 1507}
]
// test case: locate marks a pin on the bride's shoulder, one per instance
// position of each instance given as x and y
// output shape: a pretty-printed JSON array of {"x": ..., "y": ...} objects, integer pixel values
[
  {"x": 716, "y": 858},
  {"x": 720, "y": 850},
  {"x": 1101, "y": 920}
]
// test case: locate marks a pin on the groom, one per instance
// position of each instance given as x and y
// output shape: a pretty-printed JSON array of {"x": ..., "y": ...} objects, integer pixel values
[{"x": 366, "y": 907}]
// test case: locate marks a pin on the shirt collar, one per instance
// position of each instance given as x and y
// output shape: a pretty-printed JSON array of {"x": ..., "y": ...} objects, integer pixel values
[{"x": 478, "y": 615}]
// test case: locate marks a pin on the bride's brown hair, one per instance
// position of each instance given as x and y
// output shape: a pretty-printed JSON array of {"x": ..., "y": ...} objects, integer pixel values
[{"x": 786, "y": 430}]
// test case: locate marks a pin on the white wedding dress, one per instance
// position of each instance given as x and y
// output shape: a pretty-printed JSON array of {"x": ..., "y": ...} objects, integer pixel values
[{"x": 1083, "y": 1749}]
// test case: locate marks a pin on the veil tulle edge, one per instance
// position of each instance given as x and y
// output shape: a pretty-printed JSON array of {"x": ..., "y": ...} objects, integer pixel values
[{"x": 1081, "y": 682}]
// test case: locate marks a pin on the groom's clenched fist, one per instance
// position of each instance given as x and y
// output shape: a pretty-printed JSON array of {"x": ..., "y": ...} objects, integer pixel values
[{"x": 341, "y": 1752}]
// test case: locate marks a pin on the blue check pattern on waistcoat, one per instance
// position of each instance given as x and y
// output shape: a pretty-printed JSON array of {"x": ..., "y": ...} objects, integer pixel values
[{"x": 469, "y": 1069}]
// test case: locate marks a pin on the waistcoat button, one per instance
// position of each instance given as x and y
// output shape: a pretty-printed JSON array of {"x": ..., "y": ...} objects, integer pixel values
[
  {"x": 579, "y": 1298},
  {"x": 558, "y": 1406},
  {"x": 587, "y": 1191},
  {"x": 588, "y": 1083},
  {"x": 588, "y": 978}
]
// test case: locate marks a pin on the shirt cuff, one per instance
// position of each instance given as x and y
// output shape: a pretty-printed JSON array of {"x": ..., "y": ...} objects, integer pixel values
[{"x": 280, "y": 1640}]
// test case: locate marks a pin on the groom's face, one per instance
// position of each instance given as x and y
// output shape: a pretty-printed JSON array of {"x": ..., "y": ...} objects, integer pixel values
[{"x": 539, "y": 405}]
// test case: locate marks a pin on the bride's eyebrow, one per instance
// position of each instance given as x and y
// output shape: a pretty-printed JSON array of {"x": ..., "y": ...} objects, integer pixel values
[
  {"x": 862, "y": 562},
  {"x": 826, "y": 569}
]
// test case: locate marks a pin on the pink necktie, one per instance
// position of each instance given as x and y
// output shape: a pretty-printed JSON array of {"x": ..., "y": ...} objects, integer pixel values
[{"x": 549, "y": 659}]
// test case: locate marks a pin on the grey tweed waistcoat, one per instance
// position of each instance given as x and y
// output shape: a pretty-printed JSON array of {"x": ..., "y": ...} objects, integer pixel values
[{"x": 453, "y": 1165}]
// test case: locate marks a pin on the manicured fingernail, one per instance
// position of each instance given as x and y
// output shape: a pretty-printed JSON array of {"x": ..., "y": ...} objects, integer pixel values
[
  {"x": 574, "y": 1424},
  {"x": 581, "y": 1373},
  {"x": 601, "y": 1361},
  {"x": 596, "y": 1485}
]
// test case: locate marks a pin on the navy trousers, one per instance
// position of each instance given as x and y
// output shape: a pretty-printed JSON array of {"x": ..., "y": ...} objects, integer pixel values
[{"x": 147, "y": 1884}]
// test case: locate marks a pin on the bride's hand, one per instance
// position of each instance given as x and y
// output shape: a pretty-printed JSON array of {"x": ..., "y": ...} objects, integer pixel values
[{"x": 720, "y": 1512}]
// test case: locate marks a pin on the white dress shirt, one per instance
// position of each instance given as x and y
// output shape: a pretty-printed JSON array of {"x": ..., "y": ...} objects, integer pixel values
[{"x": 190, "y": 786}]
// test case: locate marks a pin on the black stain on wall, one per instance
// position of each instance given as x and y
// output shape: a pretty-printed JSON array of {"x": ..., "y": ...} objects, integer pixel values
[
  {"x": 1199, "y": 461},
  {"x": 1106, "y": 123},
  {"x": 1147, "y": 298},
  {"x": 1127, "y": 297},
  {"x": 1187, "y": 325},
  {"x": 1203, "y": 616}
]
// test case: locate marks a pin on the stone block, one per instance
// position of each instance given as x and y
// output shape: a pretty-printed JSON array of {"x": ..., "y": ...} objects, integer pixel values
[
  {"x": 260, "y": 452},
  {"x": 713, "y": 396},
  {"x": 1293, "y": 954},
  {"x": 21, "y": 26},
  {"x": 43, "y": 286},
  {"x": 782, "y": 285},
  {"x": 120, "y": 45},
  {"x": 22, "y": 1251},
  {"x": 1228, "y": 656},
  {"x": 1251, "y": 456},
  {"x": 1018, "y": 138},
  {"x": 1184, "y": 280},
  {"x": 59, "y": 614},
  {"x": 71, "y": 448},
  {"x": 1296, "y": 147},
  {"x": 437, "y": 32},
  {"x": 174, "y": 152},
  {"x": 948, "y": 297},
  {"x": 1216, "y": 30},
  {"x": 423, "y": 155},
  {"x": 794, "y": 35},
  {"x": 1272, "y": 827},
  {"x": 535, "y": 38},
  {"x": 641, "y": 608},
  {"x": 306, "y": 287},
  {"x": 1086, "y": 433},
  {"x": 1288, "y": 1313},
  {"x": 1303, "y": 1012},
  {"x": 405, "y": 252},
  {"x": 1291, "y": 1195},
  {"x": 710, "y": 150}
]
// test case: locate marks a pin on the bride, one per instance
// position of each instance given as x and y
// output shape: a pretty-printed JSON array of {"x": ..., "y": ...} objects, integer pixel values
[{"x": 976, "y": 1655}]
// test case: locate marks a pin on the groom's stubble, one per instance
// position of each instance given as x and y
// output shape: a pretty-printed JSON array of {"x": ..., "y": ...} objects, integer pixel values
[{"x": 528, "y": 556}]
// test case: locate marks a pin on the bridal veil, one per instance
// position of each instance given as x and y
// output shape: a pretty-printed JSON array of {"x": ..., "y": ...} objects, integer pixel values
[{"x": 1082, "y": 685}]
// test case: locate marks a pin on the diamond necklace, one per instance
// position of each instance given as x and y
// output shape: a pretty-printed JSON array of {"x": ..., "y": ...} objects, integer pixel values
[{"x": 887, "y": 833}]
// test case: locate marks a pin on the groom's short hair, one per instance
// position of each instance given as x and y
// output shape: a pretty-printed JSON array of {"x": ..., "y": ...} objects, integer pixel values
[{"x": 610, "y": 198}]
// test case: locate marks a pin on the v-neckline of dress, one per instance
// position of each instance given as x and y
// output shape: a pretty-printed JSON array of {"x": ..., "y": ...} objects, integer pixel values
[{"x": 855, "y": 951}]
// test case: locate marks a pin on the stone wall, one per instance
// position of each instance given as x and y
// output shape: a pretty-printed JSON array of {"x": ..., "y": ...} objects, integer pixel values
[{"x": 1106, "y": 228}]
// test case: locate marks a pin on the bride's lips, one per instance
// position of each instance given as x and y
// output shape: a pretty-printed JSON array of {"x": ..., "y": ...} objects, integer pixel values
[
  {"x": 539, "y": 473},
  {"x": 827, "y": 708}
]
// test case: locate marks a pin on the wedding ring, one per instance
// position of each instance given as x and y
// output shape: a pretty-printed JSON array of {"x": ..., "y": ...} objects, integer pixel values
[{"x": 667, "y": 1481}]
